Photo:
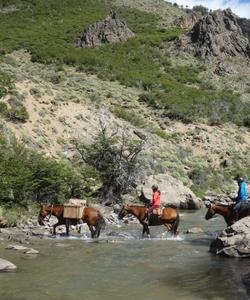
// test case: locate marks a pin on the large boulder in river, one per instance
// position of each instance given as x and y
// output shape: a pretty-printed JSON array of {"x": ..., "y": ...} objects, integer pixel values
[
  {"x": 234, "y": 241},
  {"x": 7, "y": 266},
  {"x": 111, "y": 30},
  {"x": 173, "y": 192}
]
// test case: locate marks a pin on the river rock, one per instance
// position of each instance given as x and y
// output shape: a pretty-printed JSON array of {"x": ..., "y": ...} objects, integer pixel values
[
  {"x": 111, "y": 30},
  {"x": 234, "y": 241},
  {"x": 22, "y": 249},
  {"x": 7, "y": 266},
  {"x": 3, "y": 223},
  {"x": 173, "y": 192},
  {"x": 195, "y": 230}
]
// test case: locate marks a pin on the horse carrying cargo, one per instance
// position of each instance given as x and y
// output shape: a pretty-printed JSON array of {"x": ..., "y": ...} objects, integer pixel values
[
  {"x": 74, "y": 209},
  {"x": 91, "y": 216}
]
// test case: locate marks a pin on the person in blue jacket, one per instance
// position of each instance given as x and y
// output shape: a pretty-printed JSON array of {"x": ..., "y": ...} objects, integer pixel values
[{"x": 242, "y": 195}]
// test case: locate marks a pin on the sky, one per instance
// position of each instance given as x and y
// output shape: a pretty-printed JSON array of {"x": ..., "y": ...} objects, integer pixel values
[{"x": 239, "y": 7}]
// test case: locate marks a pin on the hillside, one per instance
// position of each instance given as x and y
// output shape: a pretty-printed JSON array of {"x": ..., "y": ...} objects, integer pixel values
[{"x": 193, "y": 113}]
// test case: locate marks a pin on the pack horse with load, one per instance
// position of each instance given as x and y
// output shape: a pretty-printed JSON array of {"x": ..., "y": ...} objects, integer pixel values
[{"x": 73, "y": 213}]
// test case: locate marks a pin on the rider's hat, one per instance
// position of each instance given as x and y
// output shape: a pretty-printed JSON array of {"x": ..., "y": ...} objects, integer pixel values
[{"x": 155, "y": 187}]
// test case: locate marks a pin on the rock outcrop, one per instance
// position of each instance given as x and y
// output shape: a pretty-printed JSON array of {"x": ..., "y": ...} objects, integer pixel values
[
  {"x": 245, "y": 26},
  {"x": 187, "y": 21},
  {"x": 173, "y": 192},
  {"x": 219, "y": 34},
  {"x": 234, "y": 241},
  {"x": 111, "y": 30},
  {"x": 216, "y": 35}
]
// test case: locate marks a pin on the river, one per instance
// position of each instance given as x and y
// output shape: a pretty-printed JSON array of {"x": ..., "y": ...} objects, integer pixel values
[{"x": 121, "y": 266}]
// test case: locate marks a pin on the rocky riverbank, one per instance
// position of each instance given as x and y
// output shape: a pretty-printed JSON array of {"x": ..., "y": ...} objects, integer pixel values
[{"x": 234, "y": 241}]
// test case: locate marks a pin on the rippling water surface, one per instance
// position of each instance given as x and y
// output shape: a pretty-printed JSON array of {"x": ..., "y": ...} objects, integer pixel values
[{"x": 121, "y": 265}]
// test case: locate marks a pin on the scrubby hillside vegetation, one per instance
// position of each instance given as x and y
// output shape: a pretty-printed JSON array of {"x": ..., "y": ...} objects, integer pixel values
[{"x": 191, "y": 114}]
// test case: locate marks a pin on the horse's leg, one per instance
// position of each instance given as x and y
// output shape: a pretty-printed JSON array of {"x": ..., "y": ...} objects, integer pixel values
[
  {"x": 145, "y": 229},
  {"x": 60, "y": 222},
  {"x": 175, "y": 225},
  {"x": 168, "y": 228},
  {"x": 92, "y": 230},
  {"x": 67, "y": 227}
]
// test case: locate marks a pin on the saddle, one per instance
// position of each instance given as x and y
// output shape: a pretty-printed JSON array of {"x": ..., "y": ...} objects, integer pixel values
[
  {"x": 244, "y": 207},
  {"x": 157, "y": 211}
]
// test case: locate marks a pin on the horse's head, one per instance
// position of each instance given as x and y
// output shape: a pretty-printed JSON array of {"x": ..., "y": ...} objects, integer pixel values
[
  {"x": 210, "y": 212},
  {"x": 44, "y": 212},
  {"x": 123, "y": 212}
]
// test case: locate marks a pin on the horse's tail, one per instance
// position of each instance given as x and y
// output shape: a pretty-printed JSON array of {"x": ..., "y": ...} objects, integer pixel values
[
  {"x": 99, "y": 226},
  {"x": 176, "y": 224}
]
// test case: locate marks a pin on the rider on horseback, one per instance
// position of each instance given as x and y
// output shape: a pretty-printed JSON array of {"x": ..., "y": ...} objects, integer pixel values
[
  {"x": 242, "y": 195},
  {"x": 155, "y": 203}
]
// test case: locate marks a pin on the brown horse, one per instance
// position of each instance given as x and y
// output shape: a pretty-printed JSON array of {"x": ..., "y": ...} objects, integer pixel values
[
  {"x": 227, "y": 211},
  {"x": 91, "y": 216},
  {"x": 169, "y": 218}
]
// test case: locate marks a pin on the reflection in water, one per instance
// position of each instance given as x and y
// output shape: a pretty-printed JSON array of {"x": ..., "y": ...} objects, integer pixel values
[{"x": 122, "y": 265}]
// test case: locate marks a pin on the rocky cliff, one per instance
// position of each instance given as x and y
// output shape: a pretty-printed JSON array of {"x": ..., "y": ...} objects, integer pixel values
[
  {"x": 111, "y": 30},
  {"x": 217, "y": 35},
  {"x": 188, "y": 20},
  {"x": 245, "y": 26}
]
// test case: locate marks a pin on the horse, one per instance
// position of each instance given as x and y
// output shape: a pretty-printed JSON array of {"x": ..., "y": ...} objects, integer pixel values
[
  {"x": 169, "y": 218},
  {"x": 227, "y": 211},
  {"x": 91, "y": 216}
]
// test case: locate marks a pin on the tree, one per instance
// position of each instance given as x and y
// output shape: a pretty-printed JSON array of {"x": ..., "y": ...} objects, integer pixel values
[{"x": 116, "y": 160}]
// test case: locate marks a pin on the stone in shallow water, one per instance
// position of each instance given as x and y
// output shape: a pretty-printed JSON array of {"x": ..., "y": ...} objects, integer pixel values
[
  {"x": 234, "y": 241},
  {"x": 22, "y": 249},
  {"x": 194, "y": 230},
  {"x": 7, "y": 266}
]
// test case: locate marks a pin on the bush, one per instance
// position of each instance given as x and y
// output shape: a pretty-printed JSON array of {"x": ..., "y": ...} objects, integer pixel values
[
  {"x": 116, "y": 162},
  {"x": 18, "y": 114},
  {"x": 28, "y": 176},
  {"x": 202, "y": 9}
]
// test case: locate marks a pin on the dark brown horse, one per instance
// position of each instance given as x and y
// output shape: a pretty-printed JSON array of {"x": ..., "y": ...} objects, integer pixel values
[
  {"x": 91, "y": 216},
  {"x": 169, "y": 218},
  {"x": 227, "y": 211}
]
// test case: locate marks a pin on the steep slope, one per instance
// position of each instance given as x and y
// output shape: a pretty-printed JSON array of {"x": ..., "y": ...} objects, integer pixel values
[
  {"x": 156, "y": 91},
  {"x": 65, "y": 104}
]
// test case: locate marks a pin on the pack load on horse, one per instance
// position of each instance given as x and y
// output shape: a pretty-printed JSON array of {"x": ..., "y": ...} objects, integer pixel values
[{"x": 73, "y": 214}]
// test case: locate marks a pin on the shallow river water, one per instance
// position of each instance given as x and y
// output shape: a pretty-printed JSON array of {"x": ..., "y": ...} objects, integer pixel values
[{"x": 121, "y": 265}]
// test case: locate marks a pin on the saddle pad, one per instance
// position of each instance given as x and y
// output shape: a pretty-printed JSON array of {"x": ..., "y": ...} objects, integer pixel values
[{"x": 73, "y": 211}]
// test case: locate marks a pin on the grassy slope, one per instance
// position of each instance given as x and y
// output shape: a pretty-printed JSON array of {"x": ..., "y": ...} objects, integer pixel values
[{"x": 48, "y": 28}]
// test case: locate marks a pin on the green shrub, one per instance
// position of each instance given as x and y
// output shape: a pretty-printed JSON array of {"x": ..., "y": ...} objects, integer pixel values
[
  {"x": 18, "y": 114},
  {"x": 3, "y": 109},
  {"x": 129, "y": 116}
]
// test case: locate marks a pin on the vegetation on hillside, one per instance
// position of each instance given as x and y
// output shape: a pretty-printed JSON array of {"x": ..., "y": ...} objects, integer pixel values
[
  {"x": 48, "y": 30},
  {"x": 27, "y": 177},
  {"x": 117, "y": 162}
]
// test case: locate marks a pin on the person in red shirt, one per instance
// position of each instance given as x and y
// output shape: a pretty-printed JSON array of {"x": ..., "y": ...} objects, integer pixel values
[{"x": 155, "y": 203}]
